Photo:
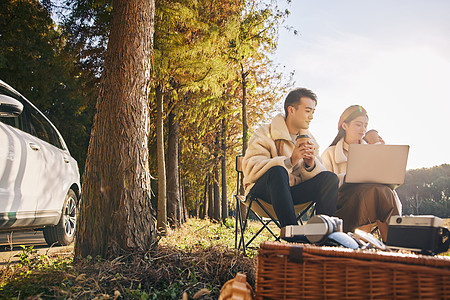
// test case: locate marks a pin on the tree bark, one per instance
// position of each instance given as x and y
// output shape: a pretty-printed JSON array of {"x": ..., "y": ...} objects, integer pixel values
[
  {"x": 162, "y": 196},
  {"x": 115, "y": 212},
  {"x": 173, "y": 184}
]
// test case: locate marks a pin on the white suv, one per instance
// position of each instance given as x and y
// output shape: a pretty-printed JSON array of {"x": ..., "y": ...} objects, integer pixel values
[{"x": 39, "y": 180}]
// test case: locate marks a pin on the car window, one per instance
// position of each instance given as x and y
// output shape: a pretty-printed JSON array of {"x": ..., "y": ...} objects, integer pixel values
[
  {"x": 56, "y": 141},
  {"x": 37, "y": 127},
  {"x": 14, "y": 122},
  {"x": 32, "y": 121},
  {"x": 41, "y": 128}
]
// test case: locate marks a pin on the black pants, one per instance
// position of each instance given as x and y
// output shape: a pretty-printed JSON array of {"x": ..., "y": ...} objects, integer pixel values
[{"x": 273, "y": 187}]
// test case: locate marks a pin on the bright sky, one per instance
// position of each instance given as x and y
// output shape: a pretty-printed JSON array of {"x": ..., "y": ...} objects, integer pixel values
[{"x": 391, "y": 57}]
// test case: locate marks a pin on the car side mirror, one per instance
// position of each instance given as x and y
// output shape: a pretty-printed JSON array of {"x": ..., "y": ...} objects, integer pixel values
[{"x": 10, "y": 107}]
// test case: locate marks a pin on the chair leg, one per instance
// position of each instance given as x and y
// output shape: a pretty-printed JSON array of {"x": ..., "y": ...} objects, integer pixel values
[
  {"x": 244, "y": 246},
  {"x": 241, "y": 226},
  {"x": 237, "y": 216}
]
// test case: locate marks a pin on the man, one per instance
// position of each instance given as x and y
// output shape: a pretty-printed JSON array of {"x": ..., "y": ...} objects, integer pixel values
[{"x": 281, "y": 170}]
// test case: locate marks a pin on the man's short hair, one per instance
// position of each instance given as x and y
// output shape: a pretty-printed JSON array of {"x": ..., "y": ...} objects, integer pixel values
[{"x": 294, "y": 98}]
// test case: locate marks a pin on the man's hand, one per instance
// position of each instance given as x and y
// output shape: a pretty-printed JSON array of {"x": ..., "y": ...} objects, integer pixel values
[
  {"x": 305, "y": 151},
  {"x": 308, "y": 157}
]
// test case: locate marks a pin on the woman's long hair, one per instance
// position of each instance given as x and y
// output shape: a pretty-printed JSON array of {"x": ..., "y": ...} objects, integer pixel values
[{"x": 352, "y": 112}]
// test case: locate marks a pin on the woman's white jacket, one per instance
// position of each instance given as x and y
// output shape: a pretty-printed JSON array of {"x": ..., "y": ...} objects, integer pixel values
[{"x": 335, "y": 160}]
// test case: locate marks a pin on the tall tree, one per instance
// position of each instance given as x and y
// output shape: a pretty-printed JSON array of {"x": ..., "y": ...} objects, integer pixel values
[
  {"x": 244, "y": 75},
  {"x": 223, "y": 161},
  {"x": 116, "y": 212},
  {"x": 210, "y": 196},
  {"x": 216, "y": 189},
  {"x": 162, "y": 196},
  {"x": 173, "y": 176}
]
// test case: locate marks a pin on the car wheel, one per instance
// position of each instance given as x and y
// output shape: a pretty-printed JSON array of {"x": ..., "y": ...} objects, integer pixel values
[{"x": 63, "y": 233}]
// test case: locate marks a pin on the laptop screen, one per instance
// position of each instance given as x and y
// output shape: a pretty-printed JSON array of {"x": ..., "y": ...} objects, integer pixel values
[{"x": 375, "y": 163}]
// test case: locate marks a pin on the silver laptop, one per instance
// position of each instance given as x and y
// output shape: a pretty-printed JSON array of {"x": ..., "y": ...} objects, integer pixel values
[{"x": 385, "y": 164}]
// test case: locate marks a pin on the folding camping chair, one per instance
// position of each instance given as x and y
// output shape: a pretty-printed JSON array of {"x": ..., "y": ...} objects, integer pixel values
[{"x": 262, "y": 210}]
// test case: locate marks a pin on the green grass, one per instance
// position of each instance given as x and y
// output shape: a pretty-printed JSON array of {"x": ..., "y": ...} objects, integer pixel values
[{"x": 206, "y": 233}]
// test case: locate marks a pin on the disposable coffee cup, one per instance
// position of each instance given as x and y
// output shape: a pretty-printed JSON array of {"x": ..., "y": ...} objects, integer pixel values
[{"x": 303, "y": 139}]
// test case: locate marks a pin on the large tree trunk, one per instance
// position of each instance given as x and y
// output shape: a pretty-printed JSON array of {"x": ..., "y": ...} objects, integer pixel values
[
  {"x": 224, "y": 170},
  {"x": 115, "y": 212},
  {"x": 162, "y": 196},
  {"x": 173, "y": 183}
]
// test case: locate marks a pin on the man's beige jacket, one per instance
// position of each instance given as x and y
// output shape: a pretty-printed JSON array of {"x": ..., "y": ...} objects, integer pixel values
[{"x": 262, "y": 154}]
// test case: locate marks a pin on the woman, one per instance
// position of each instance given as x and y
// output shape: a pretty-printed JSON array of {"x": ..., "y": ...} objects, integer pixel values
[{"x": 359, "y": 205}]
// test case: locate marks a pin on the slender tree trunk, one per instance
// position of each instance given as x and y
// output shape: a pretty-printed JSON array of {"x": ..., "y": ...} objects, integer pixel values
[
  {"x": 197, "y": 202},
  {"x": 244, "y": 110},
  {"x": 182, "y": 209},
  {"x": 244, "y": 129},
  {"x": 203, "y": 205},
  {"x": 183, "y": 202},
  {"x": 116, "y": 213},
  {"x": 217, "y": 204},
  {"x": 173, "y": 184},
  {"x": 162, "y": 197},
  {"x": 210, "y": 197},
  {"x": 224, "y": 170},
  {"x": 202, "y": 201}
]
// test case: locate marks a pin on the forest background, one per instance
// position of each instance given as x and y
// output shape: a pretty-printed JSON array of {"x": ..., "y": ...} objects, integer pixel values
[{"x": 212, "y": 81}]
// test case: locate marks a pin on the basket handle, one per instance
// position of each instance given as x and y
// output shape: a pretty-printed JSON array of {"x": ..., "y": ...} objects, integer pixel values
[{"x": 296, "y": 254}]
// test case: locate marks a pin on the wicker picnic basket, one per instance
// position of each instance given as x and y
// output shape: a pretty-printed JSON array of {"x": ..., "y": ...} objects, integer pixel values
[{"x": 300, "y": 271}]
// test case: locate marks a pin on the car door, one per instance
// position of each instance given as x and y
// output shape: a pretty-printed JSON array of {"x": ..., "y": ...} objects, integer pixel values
[
  {"x": 52, "y": 183},
  {"x": 21, "y": 165}
]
